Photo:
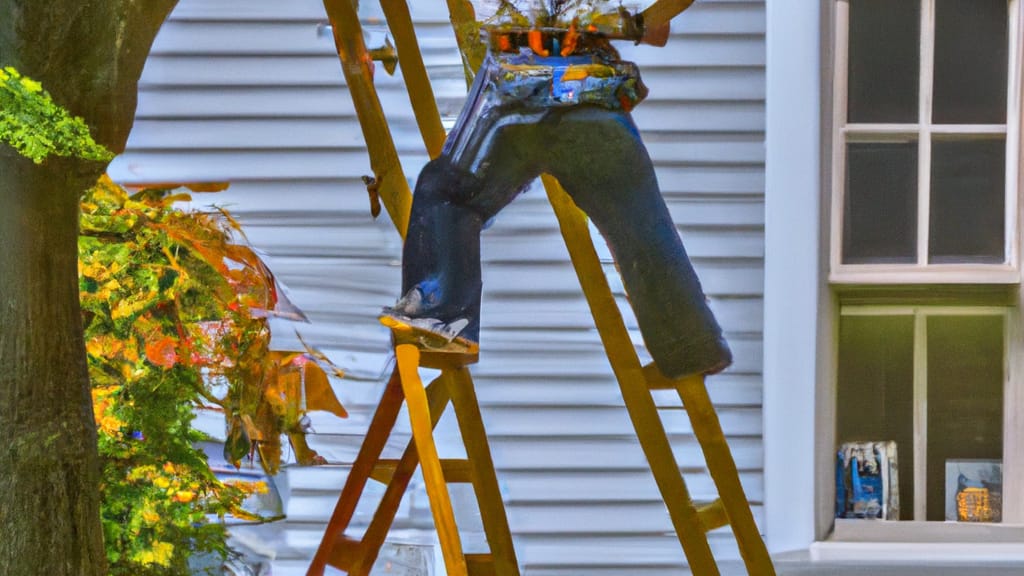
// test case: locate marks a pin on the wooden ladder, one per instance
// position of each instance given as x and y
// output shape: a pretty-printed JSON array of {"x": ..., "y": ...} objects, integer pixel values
[
  {"x": 425, "y": 406},
  {"x": 636, "y": 381}
]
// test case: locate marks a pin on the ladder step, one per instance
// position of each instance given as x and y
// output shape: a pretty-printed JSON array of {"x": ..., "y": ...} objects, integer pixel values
[
  {"x": 713, "y": 515},
  {"x": 446, "y": 360},
  {"x": 658, "y": 381},
  {"x": 345, "y": 552},
  {"x": 456, "y": 470},
  {"x": 480, "y": 564}
]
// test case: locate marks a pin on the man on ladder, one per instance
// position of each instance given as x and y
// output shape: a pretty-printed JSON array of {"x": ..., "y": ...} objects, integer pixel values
[{"x": 552, "y": 96}]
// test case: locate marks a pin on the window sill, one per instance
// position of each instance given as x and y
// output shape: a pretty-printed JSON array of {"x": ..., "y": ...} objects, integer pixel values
[
  {"x": 890, "y": 541},
  {"x": 880, "y": 274},
  {"x": 912, "y": 531}
]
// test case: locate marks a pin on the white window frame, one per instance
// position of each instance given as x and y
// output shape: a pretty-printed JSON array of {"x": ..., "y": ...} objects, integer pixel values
[
  {"x": 843, "y": 132},
  {"x": 1013, "y": 471}
]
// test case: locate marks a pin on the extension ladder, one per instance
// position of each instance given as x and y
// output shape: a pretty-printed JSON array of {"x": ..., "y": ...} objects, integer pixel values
[{"x": 636, "y": 381}]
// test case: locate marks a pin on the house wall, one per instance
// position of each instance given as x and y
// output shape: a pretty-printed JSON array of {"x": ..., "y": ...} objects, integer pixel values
[{"x": 252, "y": 93}]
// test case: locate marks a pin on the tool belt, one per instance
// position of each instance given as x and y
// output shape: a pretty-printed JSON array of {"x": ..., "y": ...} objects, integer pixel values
[
  {"x": 555, "y": 81},
  {"x": 523, "y": 88}
]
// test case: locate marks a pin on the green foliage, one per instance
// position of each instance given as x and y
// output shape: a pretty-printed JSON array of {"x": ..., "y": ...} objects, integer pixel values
[
  {"x": 174, "y": 309},
  {"x": 37, "y": 127}
]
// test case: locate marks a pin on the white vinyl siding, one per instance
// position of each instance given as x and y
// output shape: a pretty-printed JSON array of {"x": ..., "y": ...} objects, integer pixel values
[{"x": 252, "y": 93}]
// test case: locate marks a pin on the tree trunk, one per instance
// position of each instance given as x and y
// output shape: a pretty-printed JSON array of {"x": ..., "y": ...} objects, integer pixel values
[
  {"x": 89, "y": 56},
  {"x": 49, "y": 514}
]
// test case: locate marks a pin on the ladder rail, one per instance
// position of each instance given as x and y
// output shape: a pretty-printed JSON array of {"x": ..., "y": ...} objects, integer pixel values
[
  {"x": 485, "y": 479},
  {"x": 408, "y": 359},
  {"x": 384, "y": 517},
  {"x": 629, "y": 373},
  {"x": 382, "y": 423}
]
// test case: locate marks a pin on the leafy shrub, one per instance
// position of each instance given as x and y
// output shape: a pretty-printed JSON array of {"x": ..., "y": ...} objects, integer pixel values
[{"x": 174, "y": 311}]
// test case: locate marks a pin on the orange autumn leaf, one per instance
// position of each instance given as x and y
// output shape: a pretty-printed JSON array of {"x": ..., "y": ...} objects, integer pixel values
[
  {"x": 162, "y": 352},
  {"x": 184, "y": 496},
  {"x": 319, "y": 394}
]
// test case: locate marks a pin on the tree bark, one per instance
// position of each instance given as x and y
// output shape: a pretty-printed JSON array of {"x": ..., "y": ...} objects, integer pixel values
[{"x": 89, "y": 55}]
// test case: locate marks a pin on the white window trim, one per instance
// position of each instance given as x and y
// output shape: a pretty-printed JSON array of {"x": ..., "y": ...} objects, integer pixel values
[
  {"x": 1013, "y": 474},
  {"x": 922, "y": 271}
]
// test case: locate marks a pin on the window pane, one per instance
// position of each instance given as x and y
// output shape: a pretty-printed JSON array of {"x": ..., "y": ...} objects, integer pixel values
[
  {"x": 967, "y": 214},
  {"x": 970, "y": 62},
  {"x": 880, "y": 212},
  {"x": 876, "y": 390},
  {"x": 965, "y": 396},
  {"x": 884, "y": 60}
]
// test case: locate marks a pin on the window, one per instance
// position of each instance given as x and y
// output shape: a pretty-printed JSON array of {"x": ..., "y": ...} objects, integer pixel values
[
  {"x": 924, "y": 182},
  {"x": 925, "y": 148},
  {"x": 931, "y": 379}
]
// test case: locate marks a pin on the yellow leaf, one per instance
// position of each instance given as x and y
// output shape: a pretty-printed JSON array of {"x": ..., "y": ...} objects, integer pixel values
[
  {"x": 319, "y": 394},
  {"x": 184, "y": 496}
]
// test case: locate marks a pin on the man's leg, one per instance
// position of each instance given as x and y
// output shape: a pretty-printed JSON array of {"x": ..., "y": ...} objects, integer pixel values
[
  {"x": 599, "y": 158},
  {"x": 441, "y": 280}
]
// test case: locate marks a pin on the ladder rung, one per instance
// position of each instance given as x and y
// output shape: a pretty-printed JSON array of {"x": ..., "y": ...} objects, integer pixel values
[
  {"x": 345, "y": 552},
  {"x": 446, "y": 360},
  {"x": 713, "y": 515},
  {"x": 480, "y": 564},
  {"x": 384, "y": 470},
  {"x": 658, "y": 381},
  {"x": 455, "y": 470}
]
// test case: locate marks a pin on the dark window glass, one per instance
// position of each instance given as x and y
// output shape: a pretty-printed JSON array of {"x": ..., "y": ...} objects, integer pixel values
[
  {"x": 875, "y": 391},
  {"x": 967, "y": 214},
  {"x": 965, "y": 397},
  {"x": 971, "y": 40},
  {"x": 884, "y": 68},
  {"x": 880, "y": 216}
]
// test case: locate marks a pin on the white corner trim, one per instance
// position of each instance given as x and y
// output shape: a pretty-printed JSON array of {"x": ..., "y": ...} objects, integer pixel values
[{"x": 793, "y": 192}]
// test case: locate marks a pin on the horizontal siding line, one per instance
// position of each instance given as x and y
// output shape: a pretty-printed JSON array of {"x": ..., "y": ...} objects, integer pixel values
[
  {"x": 740, "y": 297},
  {"x": 548, "y": 437},
  {"x": 725, "y": 228},
  {"x": 655, "y": 135},
  {"x": 326, "y": 49},
  {"x": 438, "y": 82},
  {"x": 707, "y": 164},
  {"x": 651, "y": 102},
  {"x": 354, "y": 180},
  {"x": 595, "y": 533},
  {"x": 657, "y": 94},
  {"x": 438, "y": 73},
  {"x": 409, "y": 147},
  {"x": 512, "y": 501},
  {"x": 695, "y": 195},
  {"x": 153, "y": 116},
  {"x": 450, "y": 57},
  {"x": 226, "y": 10},
  {"x": 579, "y": 470},
  {"x": 277, "y": 218},
  {"x": 719, "y": 10}
]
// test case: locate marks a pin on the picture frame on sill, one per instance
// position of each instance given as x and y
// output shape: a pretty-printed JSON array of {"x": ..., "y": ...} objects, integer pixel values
[
  {"x": 974, "y": 490},
  {"x": 867, "y": 481}
]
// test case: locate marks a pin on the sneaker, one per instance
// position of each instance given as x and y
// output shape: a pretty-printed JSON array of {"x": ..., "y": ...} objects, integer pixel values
[
  {"x": 410, "y": 303},
  {"x": 429, "y": 333}
]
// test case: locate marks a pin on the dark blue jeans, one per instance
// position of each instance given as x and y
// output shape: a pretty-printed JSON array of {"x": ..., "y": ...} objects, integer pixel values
[{"x": 597, "y": 155}]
